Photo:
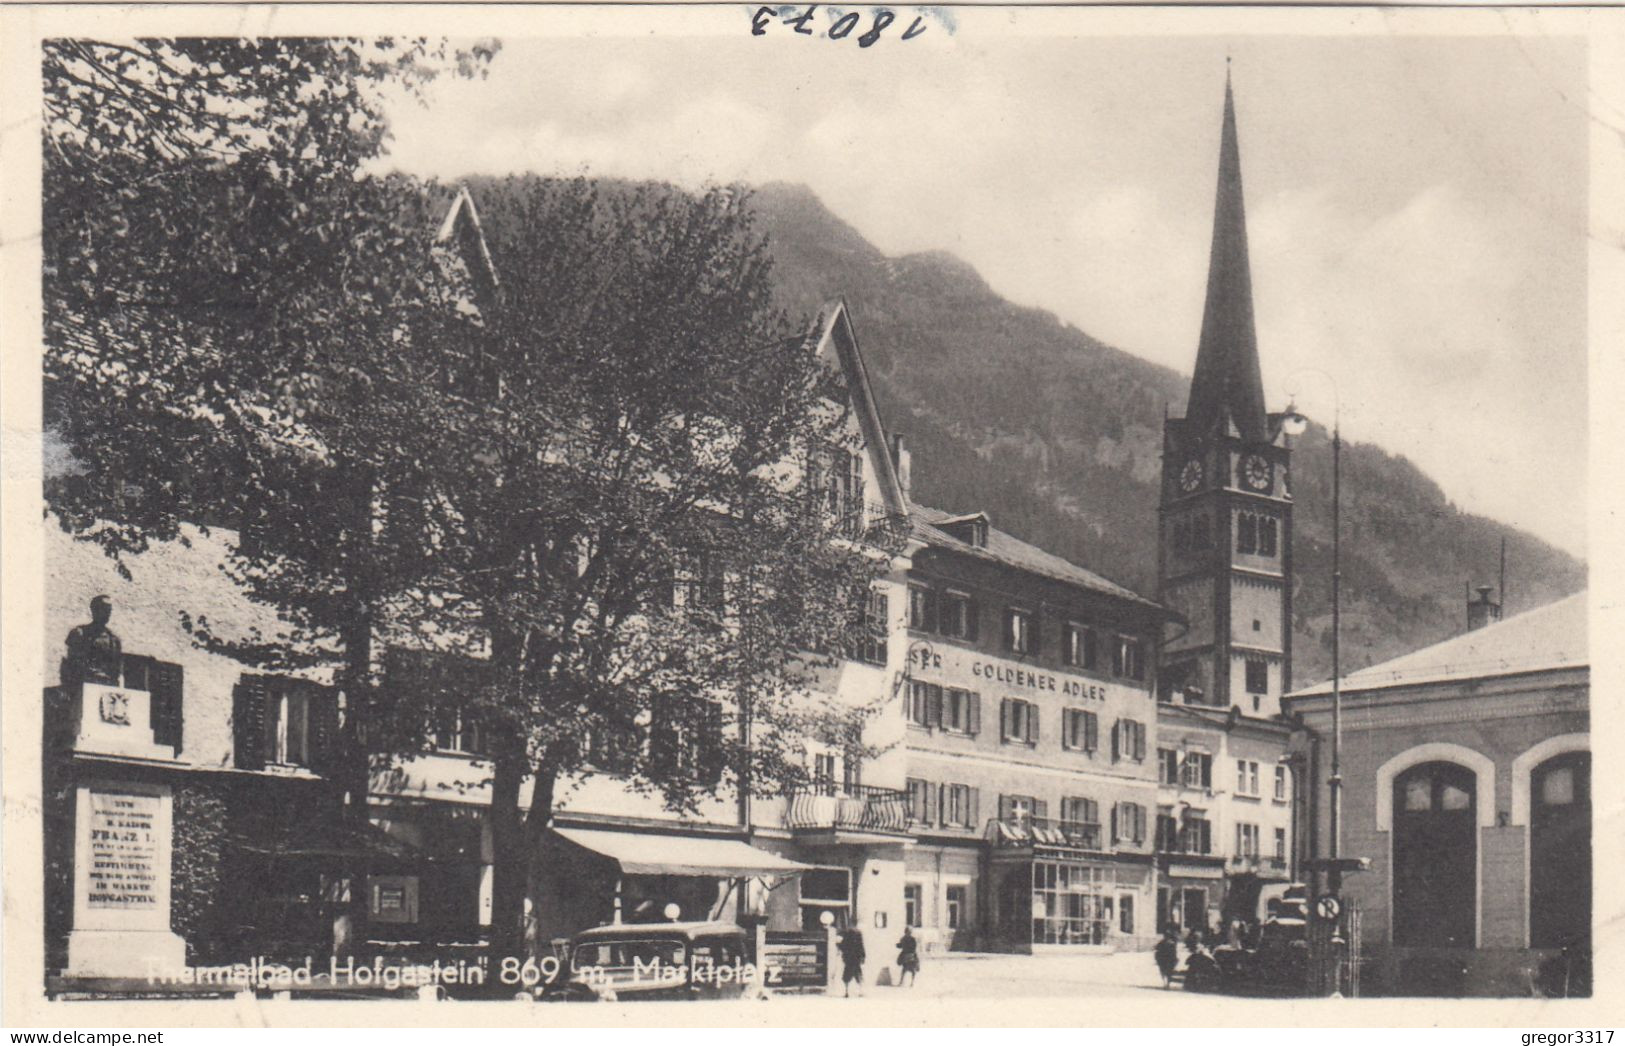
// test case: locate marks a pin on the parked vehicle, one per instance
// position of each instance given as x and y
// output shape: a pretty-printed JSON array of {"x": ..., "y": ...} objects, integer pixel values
[{"x": 694, "y": 960}]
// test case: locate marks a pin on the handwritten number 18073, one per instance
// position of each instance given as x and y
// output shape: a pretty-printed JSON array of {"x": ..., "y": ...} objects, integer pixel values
[{"x": 842, "y": 27}]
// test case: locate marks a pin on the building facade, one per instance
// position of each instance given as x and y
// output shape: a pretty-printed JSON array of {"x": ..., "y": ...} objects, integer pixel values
[
  {"x": 1030, "y": 737},
  {"x": 1467, "y": 788}
]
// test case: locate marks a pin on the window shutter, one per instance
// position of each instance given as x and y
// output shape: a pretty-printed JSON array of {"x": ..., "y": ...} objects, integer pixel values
[
  {"x": 1139, "y": 741},
  {"x": 1207, "y": 773},
  {"x": 248, "y": 722},
  {"x": 713, "y": 757},
  {"x": 1040, "y": 809},
  {"x": 973, "y": 714},
  {"x": 1007, "y": 808},
  {"x": 931, "y": 615},
  {"x": 973, "y": 619},
  {"x": 1004, "y": 718},
  {"x": 944, "y": 802},
  {"x": 930, "y": 804},
  {"x": 1139, "y": 823},
  {"x": 323, "y": 710},
  {"x": 1116, "y": 808},
  {"x": 934, "y": 709},
  {"x": 136, "y": 671},
  {"x": 971, "y": 802},
  {"x": 166, "y": 681},
  {"x": 1091, "y": 731},
  {"x": 1117, "y": 729}
]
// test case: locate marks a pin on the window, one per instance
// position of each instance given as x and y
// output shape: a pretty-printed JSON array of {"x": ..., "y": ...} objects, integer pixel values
[
  {"x": 1246, "y": 777},
  {"x": 924, "y": 704},
  {"x": 1167, "y": 833},
  {"x": 1280, "y": 783},
  {"x": 852, "y": 773},
  {"x": 913, "y": 909},
  {"x": 1127, "y": 659},
  {"x": 1013, "y": 808},
  {"x": 1020, "y": 632},
  {"x": 1246, "y": 840},
  {"x": 1125, "y": 913},
  {"x": 922, "y": 609},
  {"x": 1167, "y": 766},
  {"x": 1128, "y": 823},
  {"x": 1196, "y": 836},
  {"x": 1280, "y": 844},
  {"x": 919, "y": 801},
  {"x": 1080, "y": 730},
  {"x": 954, "y": 898},
  {"x": 1078, "y": 645},
  {"x": 1079, "y": 811},
  {"x": 1018, "y": 721},
  {"x": 458, "y": 733},
  {"x": 1246, "y": 533},
  {"x": 1258, "y": 676},
  {"x": 876, "y": 623},
  {"x": 287, "y": 727},
  {"x": 1199, "y": 533},
  {"x": 1266, "y": 536},
  {"x": 1128, "y": 740},
  {"x": 691, "y": 742},
  {"x": 1198, "y": 770},
  {"x": 958, "y": 616},
  {"x": 961, "y": 712},
  {"x": 824, "y": 773},
  {"x": 958, "y": 806}
]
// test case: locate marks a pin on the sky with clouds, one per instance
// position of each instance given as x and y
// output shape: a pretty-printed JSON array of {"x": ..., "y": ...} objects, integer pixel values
[{"x": 1417, "y": 206}]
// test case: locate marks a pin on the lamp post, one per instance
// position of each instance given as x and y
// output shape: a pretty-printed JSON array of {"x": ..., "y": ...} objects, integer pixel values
[{"x": 1293, "y": 423}]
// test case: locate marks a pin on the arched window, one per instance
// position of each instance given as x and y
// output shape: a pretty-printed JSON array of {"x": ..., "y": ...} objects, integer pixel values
[
  {"x": 1560, "y": 851},
  {"x": 1435, "y": 841}
]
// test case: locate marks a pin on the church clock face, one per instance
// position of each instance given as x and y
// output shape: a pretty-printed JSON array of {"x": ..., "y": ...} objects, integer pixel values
[
  {"x": 1190, "y": 477},
  {"x": 1256, "y": 471}
]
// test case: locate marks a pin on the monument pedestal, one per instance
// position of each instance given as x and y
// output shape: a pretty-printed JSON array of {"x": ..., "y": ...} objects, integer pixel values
[{"x": 121, "y": 880}]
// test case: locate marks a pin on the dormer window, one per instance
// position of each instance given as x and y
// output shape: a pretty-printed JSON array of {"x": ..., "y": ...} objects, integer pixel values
[{"x": 972, "y": 530}]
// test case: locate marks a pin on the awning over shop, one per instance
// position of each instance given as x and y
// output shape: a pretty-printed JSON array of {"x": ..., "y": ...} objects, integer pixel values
[{"x": 643, "y": 854}]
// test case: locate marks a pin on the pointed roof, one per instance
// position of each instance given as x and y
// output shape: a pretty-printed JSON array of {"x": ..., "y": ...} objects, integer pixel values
[
  {"x": 832, "y": 330},
  {"x": 1228, "y": 383},
  {"x": 1549, "y": 637}
]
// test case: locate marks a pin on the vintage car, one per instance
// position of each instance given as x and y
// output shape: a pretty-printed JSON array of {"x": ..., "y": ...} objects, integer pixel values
[{"x": 674, "y": 960}]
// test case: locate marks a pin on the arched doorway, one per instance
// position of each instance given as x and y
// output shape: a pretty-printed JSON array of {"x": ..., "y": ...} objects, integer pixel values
[
  {"x": 1435, "y": 841},
  {"x": 1560, "y": 851}
]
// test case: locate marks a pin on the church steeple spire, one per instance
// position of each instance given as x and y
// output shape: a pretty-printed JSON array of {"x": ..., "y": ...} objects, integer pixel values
[{"x": 1228, "y": 383}]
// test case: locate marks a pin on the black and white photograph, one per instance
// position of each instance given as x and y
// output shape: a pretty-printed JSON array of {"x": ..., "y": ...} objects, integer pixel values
[{"x": 809, "y": 515}]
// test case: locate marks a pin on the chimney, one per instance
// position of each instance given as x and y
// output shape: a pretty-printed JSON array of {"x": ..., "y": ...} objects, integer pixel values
[
  {"x": 1483, "y": 610},
  {"x": 900, "y": 462}
]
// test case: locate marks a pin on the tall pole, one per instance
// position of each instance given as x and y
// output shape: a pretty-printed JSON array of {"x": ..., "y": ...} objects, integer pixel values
[{"x": 1336, "y": 782}]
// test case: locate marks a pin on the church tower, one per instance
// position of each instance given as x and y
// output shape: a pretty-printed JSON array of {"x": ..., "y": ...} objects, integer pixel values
[{"x": 1225, "y": 520}]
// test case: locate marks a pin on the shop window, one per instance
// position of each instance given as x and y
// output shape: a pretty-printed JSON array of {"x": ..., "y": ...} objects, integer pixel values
[
  {"x": 1018, "y": 721},
  {"x": 1078, "y": 645},
  {"x": 958, "y": 612},
  {"x": 1435, "y": 856},
  {"x": 1020, "y": 632},
  {"x": 913, "y": 909},
  {"x": 1080, "y": 730}
]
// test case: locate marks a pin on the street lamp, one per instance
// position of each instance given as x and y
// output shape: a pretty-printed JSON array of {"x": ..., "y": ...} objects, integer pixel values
[{"x": 1294, "y": 423}]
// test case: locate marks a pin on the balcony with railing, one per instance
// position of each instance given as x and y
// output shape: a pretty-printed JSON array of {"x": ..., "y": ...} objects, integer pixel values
[
  {"x": 1025, "y": 831},
  {"x": 848, "y": 810}
]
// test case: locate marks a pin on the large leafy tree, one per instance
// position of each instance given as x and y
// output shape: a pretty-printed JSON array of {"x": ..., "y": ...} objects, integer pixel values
[
  {"x": 218, "y": 272},
  {"x": 625, "y": 514}
]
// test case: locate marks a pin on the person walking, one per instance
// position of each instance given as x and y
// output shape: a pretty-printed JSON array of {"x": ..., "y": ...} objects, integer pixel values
[
  {"x": 852, "y": 956},
  {"x": 908, "y": 957},
  {"x": 1167, "y": 955}
]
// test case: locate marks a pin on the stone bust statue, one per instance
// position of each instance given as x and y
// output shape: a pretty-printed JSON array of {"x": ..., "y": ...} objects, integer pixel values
[{"x": 95, "y": 653}]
